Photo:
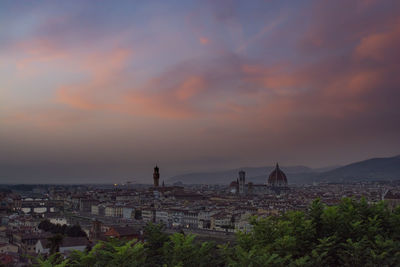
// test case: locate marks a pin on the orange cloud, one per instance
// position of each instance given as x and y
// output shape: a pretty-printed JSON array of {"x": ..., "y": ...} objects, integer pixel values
[
  {"x": 75, "y": 100},
  {"x": 277, "y": 78},
  {"x": 204, "y": 40},
  {"x": 103, "y": 70},
  {"x": 379, "y": 46},
  {"x": 153, "y": 99},
  {"x": 172, "y": 102},
  {"x": 38, "y": 50},
  {"x": 103, "y": 66},
  {"x": 362, "y": 81},
  {"x": 190, "y": 87}
]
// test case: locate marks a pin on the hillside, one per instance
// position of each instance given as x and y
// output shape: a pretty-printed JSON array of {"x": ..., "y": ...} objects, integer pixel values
[
  {"x": 253, "y": 174},
  {"x": 376, "y": 169}
]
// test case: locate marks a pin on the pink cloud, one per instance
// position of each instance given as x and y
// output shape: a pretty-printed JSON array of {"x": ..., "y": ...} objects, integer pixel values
[
  {"x": 379, "y": 46},
  {"x": 239, "y": 88},
  {"x": 190, "y": 87},
  {"x": 204, "y": 40},
  {"x": 38, "y": 50},
  {"x": 279, "y": 78},
  {"x": 75, "y": 99},
  {"x": 103, "y": 73}
]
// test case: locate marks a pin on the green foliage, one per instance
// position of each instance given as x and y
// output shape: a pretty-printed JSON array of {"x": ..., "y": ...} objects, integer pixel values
[
  {"x": 112, "y": 253},
  {"x": 182, "y": 250},
  {"x": 353, "y": 233},
  {"x": 349, "y": 234},
  {"x": 155, "y": 239},
  {"x": 54, "y": 260}
]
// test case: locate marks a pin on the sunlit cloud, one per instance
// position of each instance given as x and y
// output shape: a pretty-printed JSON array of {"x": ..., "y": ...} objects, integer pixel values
[
  {"x": 217, "y": 77},
  {"x": 204, "y": 40}
]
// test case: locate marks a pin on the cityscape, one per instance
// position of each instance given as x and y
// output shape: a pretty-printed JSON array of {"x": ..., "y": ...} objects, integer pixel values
[
  {"x": 211, "y": 212},
  {"x": 192, "y": 133}
]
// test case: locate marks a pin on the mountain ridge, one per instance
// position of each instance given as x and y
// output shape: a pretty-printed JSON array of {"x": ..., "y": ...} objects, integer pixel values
[{"x": 374, "y": 169}]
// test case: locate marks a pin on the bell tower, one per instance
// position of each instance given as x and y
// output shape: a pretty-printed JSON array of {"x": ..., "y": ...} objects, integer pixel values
[
  {"x": 156, "y": 176},
  {"x": 242, "y": 182}
]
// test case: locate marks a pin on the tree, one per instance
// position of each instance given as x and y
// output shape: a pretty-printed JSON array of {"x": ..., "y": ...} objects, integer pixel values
[
  {"x": 155, "y": 238},
  {"x": 352, "y": 233},
  {"x": 315, "y": 213},
  {"x": 182, "y": 250},
  {"x": 112, "y": 253},
  {"x": 54, "y": 243},
  {"x": 75, "y": 231},
  {"x": 72, "y": 231},
  {"x": 54, "y": 260},
  {"x": 45, "y": 225}
]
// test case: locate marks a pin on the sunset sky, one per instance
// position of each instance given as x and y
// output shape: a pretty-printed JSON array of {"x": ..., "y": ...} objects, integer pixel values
[{"x": 101, "y": 91}]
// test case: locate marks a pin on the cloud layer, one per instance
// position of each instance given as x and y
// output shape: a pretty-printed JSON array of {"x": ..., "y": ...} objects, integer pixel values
[{"x": 100, "y": 92}]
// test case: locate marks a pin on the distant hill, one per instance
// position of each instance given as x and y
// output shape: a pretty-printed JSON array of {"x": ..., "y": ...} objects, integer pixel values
[
  {"x": 257, "y": 175},
  {"x": 376, "y": 169}
]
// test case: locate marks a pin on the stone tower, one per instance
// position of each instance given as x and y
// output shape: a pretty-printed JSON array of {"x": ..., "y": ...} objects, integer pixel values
[
  {"x": 156, "y": 176},
  {"x": 242, "y": 182}
]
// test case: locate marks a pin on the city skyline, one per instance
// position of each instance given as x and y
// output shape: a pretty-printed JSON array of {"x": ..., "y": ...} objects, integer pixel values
[{"x": 94, "y": 92}]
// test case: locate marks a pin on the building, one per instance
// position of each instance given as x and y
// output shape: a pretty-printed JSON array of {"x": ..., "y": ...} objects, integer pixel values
[
  {"x": 8, "y": 248},
  {"x": 275, "y": 184},
  {"x": 96, "y": 230},
  {"x": 122, "y": 232},
  {"x": 156, "y": 176},
  {"x": 113, "y": 211},
  {"x": 242, "y": 223},
  {"x": 162, "y": 217},
  {"x": 204, "y": 218},
  {"x": 85, "y": 205},
  {"x": 234, "y": 187},
  {"x": 68, "y": 244},
  {"x": 222, "y": 221},
  {"x": 128, "y": 212},
  {"x": 191, "y": 219},
  {"x": 59, "y": 220},
  {"x": 27, "y": 242},
  {"x": 277, "y": 178},
  {"x": 148, "y": 215},
  {"x": 95, "y": 209},
  {"x": 175, "y": 217},
  {"x": 392, "y": 198},
  {"x": 242, "y": 182}
]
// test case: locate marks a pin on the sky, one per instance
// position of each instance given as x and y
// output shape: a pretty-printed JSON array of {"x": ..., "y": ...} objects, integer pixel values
[{"x": 101, "y": 91}]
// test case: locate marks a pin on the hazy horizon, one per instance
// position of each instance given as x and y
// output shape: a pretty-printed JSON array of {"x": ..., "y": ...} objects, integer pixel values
[{"x": 163, "y": 177}]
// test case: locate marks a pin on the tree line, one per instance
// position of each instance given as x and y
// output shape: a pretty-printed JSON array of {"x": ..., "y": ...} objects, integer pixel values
[
  {"x": 352, "y": 233},
  {"x": 65, "y": 230}
]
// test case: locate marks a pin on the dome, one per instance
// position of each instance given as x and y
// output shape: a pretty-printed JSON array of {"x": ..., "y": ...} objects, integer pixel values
[
  {"x": 233, "y": 184},
  {"x": 277, "y": 177}
]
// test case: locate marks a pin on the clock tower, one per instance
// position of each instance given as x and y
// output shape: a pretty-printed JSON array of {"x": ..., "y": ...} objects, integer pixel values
[{"x": 156, "y": 176}]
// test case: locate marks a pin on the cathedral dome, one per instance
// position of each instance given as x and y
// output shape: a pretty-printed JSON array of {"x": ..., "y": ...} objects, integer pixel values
[
  {"x": 277, "y": 177},
  {"x": 233, "y": 184}
]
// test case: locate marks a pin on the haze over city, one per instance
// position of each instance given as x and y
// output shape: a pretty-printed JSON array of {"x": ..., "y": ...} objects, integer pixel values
[{"x": 91, "y": 91}]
